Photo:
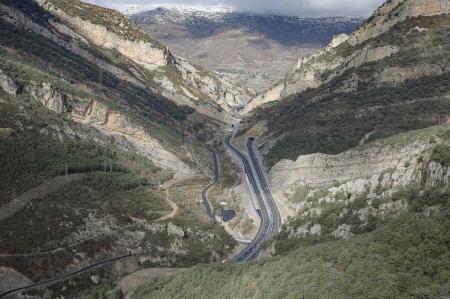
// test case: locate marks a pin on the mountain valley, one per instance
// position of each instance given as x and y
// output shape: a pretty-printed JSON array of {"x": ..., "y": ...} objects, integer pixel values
[
  {"x": 332, "y": 182},
  {"x": 254, "y": 49}
]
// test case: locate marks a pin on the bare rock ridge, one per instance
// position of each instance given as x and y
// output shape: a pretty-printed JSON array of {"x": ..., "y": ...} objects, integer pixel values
[
  {"x": 395, "y": 11},
  {"x": 324, "y": 65},
  {"x": 175, "y": 77}
]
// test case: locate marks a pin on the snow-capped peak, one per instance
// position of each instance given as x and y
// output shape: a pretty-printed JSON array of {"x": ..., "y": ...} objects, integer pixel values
[{"x": 180, "y": 8}]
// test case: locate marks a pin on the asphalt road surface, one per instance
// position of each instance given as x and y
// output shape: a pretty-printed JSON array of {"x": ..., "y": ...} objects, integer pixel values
[
  {"x": 275, "y": 213},
  {"x": 269, "y": 213},
  {"x": 208, "y": 208}
]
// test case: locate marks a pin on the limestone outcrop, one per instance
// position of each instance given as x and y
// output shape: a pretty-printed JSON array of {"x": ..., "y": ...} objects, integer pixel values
[
  {"x": 109, "y": 122},
  {"x": 7, "y": 84}
]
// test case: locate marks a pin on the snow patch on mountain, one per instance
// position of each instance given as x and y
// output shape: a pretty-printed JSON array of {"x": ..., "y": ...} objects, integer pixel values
[{"x": 179, "y": 8}]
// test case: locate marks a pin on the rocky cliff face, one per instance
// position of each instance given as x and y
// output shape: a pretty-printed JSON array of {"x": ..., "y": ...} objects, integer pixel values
[
  {"x": 7, "y": 84},
  {"x": 142, "y": 51},
  {"x": 372, "y": 173},
  {"x": 112, "y": 50},
  {"x": 392, "y": 12},
  {"x": 306, "y": 74},
  {"x": 326, "y": 64},
  {"x": 109, "y": 121}
]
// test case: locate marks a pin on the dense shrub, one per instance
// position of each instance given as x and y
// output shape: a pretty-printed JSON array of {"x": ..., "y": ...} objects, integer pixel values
[{"x": 441, "y": 154}]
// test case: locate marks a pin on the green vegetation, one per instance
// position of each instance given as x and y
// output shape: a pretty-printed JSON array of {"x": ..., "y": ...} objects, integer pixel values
[
  {"x": 188, "y": 216},
  {"x": 403, "y": 34},
  {"x": 30, "y": 159},
  {"x": 441, "y": 154},
  {"x": 406, "y": 256},
  {"x": 329, "y": 120},
  {"x": 301, "y": 193},
  {"x": 340, "y": 121},
  {"x": 98, "y": 292}
]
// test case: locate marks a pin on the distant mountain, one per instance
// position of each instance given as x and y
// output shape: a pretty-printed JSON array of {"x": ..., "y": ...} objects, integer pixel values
[
  {"x": 256, "y": 49},
  {"x": 208, "y": 10}
]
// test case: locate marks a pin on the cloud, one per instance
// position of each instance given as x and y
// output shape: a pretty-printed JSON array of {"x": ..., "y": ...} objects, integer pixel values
[
  {"x": 303, "y": 8},
  {"x": 307, "y": 8}
]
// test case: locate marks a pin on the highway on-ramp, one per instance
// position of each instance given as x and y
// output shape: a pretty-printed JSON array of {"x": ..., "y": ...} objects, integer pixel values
[{"x": 208, "y": 208}]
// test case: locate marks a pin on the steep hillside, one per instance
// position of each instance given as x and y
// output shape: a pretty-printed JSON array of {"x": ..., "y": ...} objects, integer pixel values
[
  {"x": 406, "y": 257},
  {"x": 374, "y": 41},
  {"x": 393, "y": 82},
  {"x": 103, "y": 139},
  {"x": 254, "y": 49}
]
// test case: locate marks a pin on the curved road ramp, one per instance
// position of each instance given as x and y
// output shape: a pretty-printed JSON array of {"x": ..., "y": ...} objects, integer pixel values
[{"x": 204, "y": 194}]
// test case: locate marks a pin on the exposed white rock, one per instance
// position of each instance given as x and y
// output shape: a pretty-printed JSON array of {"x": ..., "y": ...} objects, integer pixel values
[
  {"x": 95, "y": 279},
  {"x": 319, "y": 170},
  {"x": 316, "y": 229},
  {"x": 174, "y": 230},
  {"x": 343, "y": 232},
  {"x": 375, "y": 171},
  {"x": 7, "y": 84}
]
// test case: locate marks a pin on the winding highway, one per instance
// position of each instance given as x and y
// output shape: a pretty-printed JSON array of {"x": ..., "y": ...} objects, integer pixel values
[
  {"x": 270, "y": 220},
  {"x": 265, "y": 187}
]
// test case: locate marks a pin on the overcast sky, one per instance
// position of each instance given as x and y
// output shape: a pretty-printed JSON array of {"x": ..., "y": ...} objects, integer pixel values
[{"x": 304, "y": 8}]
